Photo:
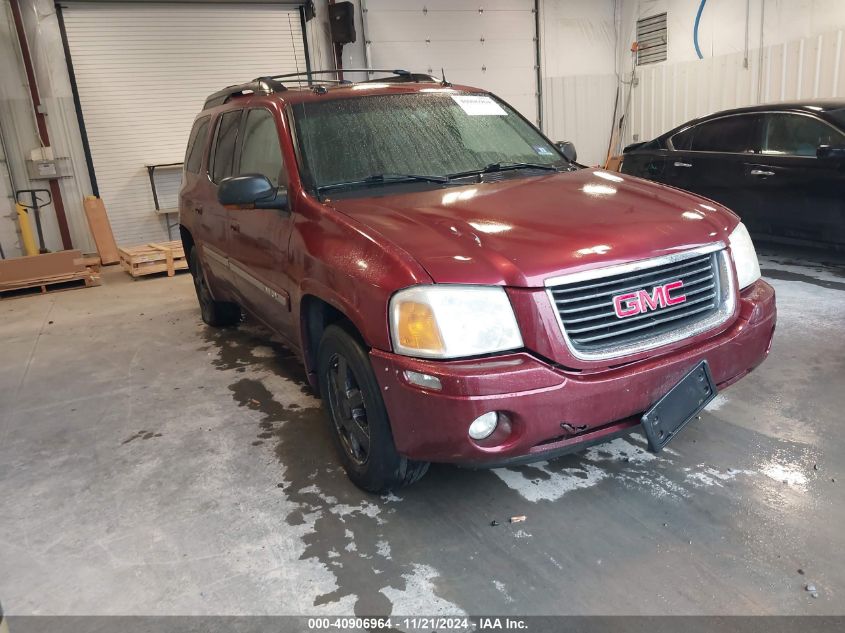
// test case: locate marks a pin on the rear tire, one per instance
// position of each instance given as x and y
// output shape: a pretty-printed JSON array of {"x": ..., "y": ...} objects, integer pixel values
[
  {"x": 357, "y": 416},
  {"x": 214, "y": 313}
]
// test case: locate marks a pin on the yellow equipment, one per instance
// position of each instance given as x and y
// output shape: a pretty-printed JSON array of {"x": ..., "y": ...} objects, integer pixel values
[{"x": 27, "y": 239}]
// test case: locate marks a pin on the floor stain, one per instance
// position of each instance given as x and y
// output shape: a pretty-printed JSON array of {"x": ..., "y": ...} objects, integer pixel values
[
  {"x": 348, "y": 536},
  {"x": 142, "y": 435},
  {"x": 784, "y": 275}
]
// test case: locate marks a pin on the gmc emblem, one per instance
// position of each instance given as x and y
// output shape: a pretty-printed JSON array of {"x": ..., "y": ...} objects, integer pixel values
[{"x": 632, "y": 303}]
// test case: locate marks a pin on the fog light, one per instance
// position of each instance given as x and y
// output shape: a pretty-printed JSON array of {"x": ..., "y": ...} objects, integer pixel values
[
  {"x": 423, "y": 380},
  {"x": 484, "y": 425}
]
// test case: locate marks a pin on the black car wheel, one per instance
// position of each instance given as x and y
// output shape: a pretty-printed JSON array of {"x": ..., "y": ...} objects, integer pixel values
[
  {"x": 356, "y": 411},
  {"x": 216, "y": 313}
]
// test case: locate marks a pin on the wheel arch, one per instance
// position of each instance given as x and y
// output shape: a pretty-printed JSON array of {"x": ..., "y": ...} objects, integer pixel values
[
  {"x": 316, "y": 313},
  {"x": 187, "y": 241}
]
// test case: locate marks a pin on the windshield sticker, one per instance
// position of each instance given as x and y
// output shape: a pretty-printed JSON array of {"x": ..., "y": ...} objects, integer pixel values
[
  {"x": 543, "y": 151},
  {"x": 479, "y": 105}
]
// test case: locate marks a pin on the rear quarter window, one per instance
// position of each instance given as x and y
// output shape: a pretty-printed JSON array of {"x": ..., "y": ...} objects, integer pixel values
[
  {"x": 682, "y": 141},
  {"x": 196, "y": 145}
]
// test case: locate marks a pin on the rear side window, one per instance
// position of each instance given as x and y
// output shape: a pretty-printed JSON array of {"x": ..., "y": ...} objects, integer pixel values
[
  {"x": 261, "y": 153},
  {"x": 682, "y": 141},
  {"x": 731, "y": 134},
  {"x": 797, "y": 135},
  {"x": 196, "y": 144},
  {"x": 223, "y": 152}
]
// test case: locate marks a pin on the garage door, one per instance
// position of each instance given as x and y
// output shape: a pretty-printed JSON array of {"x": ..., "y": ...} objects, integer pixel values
[
  {"x": 143, "y": 73},
  {"x": 486, "y": 44}
]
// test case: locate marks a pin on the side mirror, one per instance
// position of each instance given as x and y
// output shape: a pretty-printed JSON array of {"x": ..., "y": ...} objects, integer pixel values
[
  {"x": 567, "y": 148},
  {"x": 830, "y": 152},
  {"x": 251, "y": 191}
]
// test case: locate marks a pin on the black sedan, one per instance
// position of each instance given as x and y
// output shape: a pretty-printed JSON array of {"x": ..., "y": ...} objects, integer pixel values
[{"x": 780, "y": 167}]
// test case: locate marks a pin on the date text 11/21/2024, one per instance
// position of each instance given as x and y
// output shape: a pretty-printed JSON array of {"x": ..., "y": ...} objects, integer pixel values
[{"x": 422, "y": 623}]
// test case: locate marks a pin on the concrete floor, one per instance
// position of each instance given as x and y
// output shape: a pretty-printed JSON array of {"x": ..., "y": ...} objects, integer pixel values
[{"x": 151, "y": 465}]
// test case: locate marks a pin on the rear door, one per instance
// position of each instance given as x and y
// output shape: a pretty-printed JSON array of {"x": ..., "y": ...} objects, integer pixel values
[
  {"x": 795, "y": 195},
  {"x": 215, "y": 220},
  {"x": 708, "y": 159},
  {"x": 193, "y": 179},
  {"x": 258, "y": 238}
]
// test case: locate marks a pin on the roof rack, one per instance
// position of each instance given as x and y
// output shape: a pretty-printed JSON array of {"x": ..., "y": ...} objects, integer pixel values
[
  {"x": 409, "y": 77},
  {"x": 262, "y": 85},
  {"x": 271, "y": 84},
  {"x": 399, "y": 74}
]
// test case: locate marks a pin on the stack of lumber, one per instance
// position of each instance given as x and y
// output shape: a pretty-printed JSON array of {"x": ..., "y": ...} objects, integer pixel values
[
  {"x": 46, "y": 272},
  {"x": 158, "y": 257}
]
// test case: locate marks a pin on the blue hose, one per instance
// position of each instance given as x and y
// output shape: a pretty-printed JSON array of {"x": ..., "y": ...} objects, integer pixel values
[{"x": 695, "y": 29}]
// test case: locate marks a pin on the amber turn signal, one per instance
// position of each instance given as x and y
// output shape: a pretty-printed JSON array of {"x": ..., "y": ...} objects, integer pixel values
[{"x": 416, "y": 327}]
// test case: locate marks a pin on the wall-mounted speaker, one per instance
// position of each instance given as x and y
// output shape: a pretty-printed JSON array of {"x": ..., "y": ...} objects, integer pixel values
[{"x": 342, "y": 21}]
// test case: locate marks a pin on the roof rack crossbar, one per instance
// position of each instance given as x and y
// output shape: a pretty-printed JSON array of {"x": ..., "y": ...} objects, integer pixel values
[{"x": 308, "y": 73}]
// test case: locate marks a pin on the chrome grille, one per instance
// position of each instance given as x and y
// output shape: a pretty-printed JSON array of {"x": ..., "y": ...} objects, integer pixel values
[{"x": 585, "y": 307}]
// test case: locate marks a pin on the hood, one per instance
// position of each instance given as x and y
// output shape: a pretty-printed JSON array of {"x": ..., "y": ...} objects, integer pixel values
[{"x": 520, "y": 231}]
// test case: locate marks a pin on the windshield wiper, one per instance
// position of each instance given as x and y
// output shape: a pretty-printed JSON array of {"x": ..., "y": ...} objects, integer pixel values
[
  {"x": 376, "y": 179},
  {"x": 504, "y": 166}
]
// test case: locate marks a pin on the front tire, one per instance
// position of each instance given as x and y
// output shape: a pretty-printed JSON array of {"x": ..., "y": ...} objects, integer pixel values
[
  {"x": 357, "y": 415},
  {"x": 214, "y": 313}
]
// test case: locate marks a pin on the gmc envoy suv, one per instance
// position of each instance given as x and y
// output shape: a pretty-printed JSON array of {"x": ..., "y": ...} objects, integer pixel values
[{"x": 458, "y": 288}]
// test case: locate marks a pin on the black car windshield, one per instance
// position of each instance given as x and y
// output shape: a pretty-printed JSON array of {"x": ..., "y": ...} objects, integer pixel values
[{"x": 433, "y": 134}]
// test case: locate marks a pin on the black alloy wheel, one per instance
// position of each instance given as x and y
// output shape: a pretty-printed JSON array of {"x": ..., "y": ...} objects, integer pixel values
[{"x": 348, "y": 411}]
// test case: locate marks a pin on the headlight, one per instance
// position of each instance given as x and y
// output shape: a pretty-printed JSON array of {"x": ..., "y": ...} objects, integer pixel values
[
  {"x": 745, "y": 257},
  {"x": 452, "y": 321}
]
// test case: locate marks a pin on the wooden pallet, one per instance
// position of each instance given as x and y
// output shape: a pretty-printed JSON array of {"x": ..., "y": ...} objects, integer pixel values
[
  {"x": 82, "y": 279},
  {"x": 148, "y": 259}
]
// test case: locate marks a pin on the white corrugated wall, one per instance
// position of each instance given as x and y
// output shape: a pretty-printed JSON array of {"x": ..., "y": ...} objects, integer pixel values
[
  {"x": 143, "y": 71},
  {"x": 671, "y": 94}
]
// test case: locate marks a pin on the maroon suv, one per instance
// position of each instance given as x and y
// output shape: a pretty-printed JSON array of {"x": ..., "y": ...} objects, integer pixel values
[{"x": 459, "y": 289}]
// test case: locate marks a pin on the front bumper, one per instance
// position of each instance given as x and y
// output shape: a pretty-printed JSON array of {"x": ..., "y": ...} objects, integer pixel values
[{"x": 539, "y": 398}]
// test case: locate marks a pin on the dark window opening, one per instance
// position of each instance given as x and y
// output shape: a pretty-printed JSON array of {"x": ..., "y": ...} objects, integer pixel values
[
  {"x": 797, "y": 135},
  {"x": 223, "y": 152},
  {"x": 196, "y": 145},
  {"x": 731, "y": 134},
  {"x": 261, "y": 153}
]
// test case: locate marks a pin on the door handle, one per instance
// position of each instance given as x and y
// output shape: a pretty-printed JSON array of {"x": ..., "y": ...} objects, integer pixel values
[
  {"x": 680, "y": 164},
  {"x": 761, "y": 172},
  {"x": 235, "y": 227}
]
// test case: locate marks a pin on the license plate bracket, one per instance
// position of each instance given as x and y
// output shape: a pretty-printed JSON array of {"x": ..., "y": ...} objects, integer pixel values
[{"x": 679, "y": 406}]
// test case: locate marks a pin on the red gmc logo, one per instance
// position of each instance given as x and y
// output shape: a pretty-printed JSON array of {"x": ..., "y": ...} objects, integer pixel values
[{"x": 632, "y": 303}]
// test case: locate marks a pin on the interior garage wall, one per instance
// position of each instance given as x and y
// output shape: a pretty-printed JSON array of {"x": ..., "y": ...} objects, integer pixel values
[
  {"x": 17, "y": 120},
  {"x": 578, "y": 62},
  {"x": 759, "y": 51},
  {"x": 143, "y": 73}
]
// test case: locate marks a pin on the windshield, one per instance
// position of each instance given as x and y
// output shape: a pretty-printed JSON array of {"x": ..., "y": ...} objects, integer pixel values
[{"x": 423, "y": 134}]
